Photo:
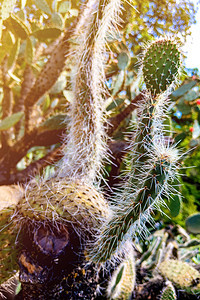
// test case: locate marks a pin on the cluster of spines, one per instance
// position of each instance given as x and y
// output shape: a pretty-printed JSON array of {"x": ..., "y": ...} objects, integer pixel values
[
  {"x": 61, "y": 200},
  {"x": 153, "y": 165}
]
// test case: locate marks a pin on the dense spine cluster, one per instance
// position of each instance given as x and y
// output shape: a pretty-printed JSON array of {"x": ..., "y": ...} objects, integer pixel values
[{"x": 63, "y": 200}]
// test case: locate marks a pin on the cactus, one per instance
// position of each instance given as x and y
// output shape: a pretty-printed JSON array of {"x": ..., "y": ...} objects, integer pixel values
[
  {"x": 8, "y": 232},
  {"x": 85, "y": 144},
  {"x": 72, "y": 195},
  {"x": 60, "y": 200},
  {"x": 122, "y": 282},
  {"x": 181, "y": 274},
  {"x": 153, "y": 165},
  {"x": 8, "y": 253},
  {"x": 161, "y": 65},
  {"x": 168, "y": 292}
]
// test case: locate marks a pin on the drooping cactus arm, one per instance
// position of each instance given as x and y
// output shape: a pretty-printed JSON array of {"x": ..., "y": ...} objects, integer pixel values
[{"x": 85, "y": 144}]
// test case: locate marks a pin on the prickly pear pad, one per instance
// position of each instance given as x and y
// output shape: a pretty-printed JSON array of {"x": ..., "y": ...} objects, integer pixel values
[{"x": 161, "y": 65}]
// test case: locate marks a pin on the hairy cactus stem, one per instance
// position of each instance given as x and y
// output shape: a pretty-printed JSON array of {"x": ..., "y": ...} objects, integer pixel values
[{"x": 85, "y": 144}]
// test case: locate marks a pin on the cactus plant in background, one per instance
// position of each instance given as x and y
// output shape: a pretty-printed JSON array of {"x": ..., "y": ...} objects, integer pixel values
[{"x": 181, "y": 274}]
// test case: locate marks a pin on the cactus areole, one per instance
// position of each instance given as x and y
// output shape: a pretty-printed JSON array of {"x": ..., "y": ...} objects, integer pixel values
[{"x": 161, "y": 65}]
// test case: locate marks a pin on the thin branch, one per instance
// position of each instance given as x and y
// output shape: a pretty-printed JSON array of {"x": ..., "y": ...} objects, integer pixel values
[
  {"x": 48, "y": 75},
  {"x": 36, "y": 167},
  {"x": 114, "y": 122},
  {"x": 14, "y": 154}
]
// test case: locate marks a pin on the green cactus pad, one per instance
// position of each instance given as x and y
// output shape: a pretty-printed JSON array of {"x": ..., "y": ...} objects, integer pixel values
[
  {"x": 161, "y": 65},
  {"x": 62, "y": 199},
  {"x": 114, "y": 231},
  {"x": 181, "y": 274},
  {"x": 193, "y": 223}
]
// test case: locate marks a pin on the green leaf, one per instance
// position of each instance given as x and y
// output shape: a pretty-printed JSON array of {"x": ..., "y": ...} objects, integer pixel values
[
  {"x": 29, "y": 51},
  {"x": 43, "y": 5},
  {"x": 21, "y": 14},
  {"x": 10, "y": 121},
  {"x": 175, "y": 205},
  {"x": 192, "y": 95},
  {"x": 7, "y": 8},
  {"x": 59, "y": 86},
  {"x": 47, "y": 33},
  {"x": 115, "y": 104},
  {"x": 8, "y": 41},
  {"x": 54, "y": 122},
  {"x": 117, "y": 85},
  {"x": 183, "y": 89},
  {"x": 183, "y": 107},
  {"x": 1, "y": 24},
  {"x": 74, "y": 12},
  {"x": 13, "y": 54},
  {"x": 69, "y": 95},
  {"x": 64, "y": 7},
  {"x": 180, "y": 137},
  {"x": 46, "y": 103},
  {"x": 19, "y": 27},
  {"x": 123, "y": 60},
  {"x": 57, "y": 20}
]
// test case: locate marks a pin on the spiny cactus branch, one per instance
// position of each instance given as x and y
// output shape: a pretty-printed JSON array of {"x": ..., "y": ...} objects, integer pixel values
[{"x": 85, "y": 149}]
